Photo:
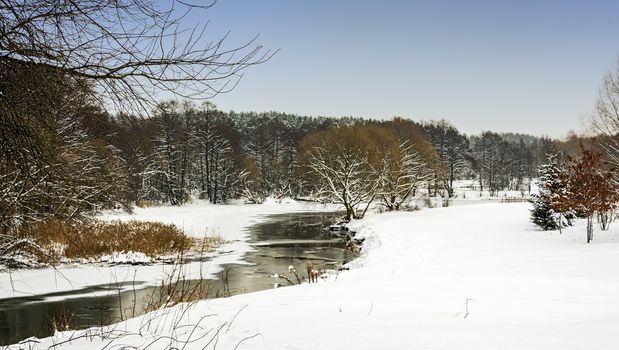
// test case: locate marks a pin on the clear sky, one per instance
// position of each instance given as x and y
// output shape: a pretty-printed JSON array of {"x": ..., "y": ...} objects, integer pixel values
[{"x": 523, "y": 66}]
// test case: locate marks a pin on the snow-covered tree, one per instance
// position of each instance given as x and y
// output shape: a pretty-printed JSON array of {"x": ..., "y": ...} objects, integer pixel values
[
  {"x": 164, "y": 177},
  {"x": 451, "y": 146},
  {"x": 403, "y": 171},
  {"x": 542, "y": 214},
  {"x": 216, "y": 171},
  {"x": 52, "y": 164},
  {"x": 345, "y": 164},
  {"x": 491, "y": 158}
]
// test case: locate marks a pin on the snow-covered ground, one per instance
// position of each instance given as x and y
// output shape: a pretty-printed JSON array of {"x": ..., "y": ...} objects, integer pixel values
[
  {"x": 197, "y": 219},
  {"x": 463, "y": 277},
  {"x": 466, "y": 192},
  {"x": 469, "y": 189}
]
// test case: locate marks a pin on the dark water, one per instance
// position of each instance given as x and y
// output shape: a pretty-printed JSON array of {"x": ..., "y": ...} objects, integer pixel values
[{"x": 280, "y": 241}]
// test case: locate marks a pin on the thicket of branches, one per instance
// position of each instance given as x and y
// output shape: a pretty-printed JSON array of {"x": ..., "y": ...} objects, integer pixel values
[
  {"x": 64, "y": 67},
  {"x": 130, "y": 50}
]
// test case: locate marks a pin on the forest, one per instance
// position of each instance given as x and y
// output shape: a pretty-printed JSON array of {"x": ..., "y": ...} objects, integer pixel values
[{"x": 75, "y": 158}]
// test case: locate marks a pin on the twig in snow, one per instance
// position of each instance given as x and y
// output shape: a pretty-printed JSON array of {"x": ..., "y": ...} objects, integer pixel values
[
  {"x": 235, "y": 315},
  {"x": 246, "y": 338},
  {"x": 467, "y": 307},
  {"x": 466, "y": 312}
]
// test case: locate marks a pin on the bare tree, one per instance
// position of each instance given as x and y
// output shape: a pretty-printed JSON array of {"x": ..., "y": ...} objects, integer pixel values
[
  {"x": 346, "y": 162},
  {"x": 403, "y": 171},
  {"x": 451, "y": 147},
  {"x": 168, "y": 173},
  {"x": 605, "y": 118},
  {"x": 131, "y": 50},
  {"x": 216, "y": 169},
  {"x": 50, "y": 165},
  {"x": 489, "y": 151}
]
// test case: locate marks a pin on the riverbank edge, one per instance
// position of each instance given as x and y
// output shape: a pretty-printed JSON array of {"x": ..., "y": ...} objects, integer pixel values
[{"x": 198, "y": 219}]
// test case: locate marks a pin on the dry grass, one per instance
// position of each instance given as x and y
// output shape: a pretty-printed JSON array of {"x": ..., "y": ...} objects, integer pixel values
[
  {"x": 204, "y": 245},
  {"x": 92, "y": 239},
  {"x": 176, "y": 289}
]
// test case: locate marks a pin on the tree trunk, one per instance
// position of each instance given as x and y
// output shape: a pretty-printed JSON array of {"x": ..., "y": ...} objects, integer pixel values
[
  {"x": 589, "y": 228},
  {"x": 215, "y": 179},
  {"x": 207, "y": 166},
  {"x": 349, "y": 213},
  {"x": 366, "y": 207},
  {"x": 603, "y": 219}
]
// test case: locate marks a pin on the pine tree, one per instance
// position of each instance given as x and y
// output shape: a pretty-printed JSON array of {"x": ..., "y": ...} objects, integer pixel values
[{"x": 543, "y": 214}]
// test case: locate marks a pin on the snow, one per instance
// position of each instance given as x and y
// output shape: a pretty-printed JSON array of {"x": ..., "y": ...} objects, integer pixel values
[
  {"x": 130, "y": 257},
  {"x": 198, "y": 219},
  {"x": 464, "y": 277},
  {"x": 466, "y": 192}
]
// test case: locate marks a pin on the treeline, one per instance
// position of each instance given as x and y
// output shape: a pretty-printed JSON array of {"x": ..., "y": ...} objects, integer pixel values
[
  {"x": 63, "y": 156},
  {"x": 85, "y": 159},
  {"x": 186, "y": 151}
]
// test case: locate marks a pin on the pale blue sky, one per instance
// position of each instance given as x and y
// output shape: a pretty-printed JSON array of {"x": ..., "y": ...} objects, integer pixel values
[{"x": 525, "y": 66}]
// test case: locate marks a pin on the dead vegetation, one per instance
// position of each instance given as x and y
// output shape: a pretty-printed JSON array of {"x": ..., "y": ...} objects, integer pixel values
[
  {"x": 177, "y": 288},
  {"x": 207, "y": 244},
  {"x": 91, "y": 239},
  {"x": 54, "y": 241},
  {"x": 313, "y": 270}
]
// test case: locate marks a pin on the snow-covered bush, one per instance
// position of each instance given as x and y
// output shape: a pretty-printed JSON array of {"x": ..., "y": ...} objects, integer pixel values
[{"x": 16, "y": 252}]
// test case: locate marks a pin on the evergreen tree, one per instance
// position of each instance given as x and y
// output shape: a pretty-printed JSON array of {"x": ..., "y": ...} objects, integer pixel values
[{"x": 542, "y": 213}]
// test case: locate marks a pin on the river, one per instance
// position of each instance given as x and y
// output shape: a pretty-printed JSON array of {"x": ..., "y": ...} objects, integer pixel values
[{"x": 279, "y": 241}]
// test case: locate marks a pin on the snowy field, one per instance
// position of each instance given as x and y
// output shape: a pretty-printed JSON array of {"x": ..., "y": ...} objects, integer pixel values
[
  {"x": 469, "y": 190},
  {"x": 197, "y": 220},
  {"x": 463, "y": 277}
]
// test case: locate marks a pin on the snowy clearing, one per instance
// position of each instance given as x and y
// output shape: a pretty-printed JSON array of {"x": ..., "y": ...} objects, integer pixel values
[
  {"x": 465, "y": 277},
  {"x": 199, "y": 219}
]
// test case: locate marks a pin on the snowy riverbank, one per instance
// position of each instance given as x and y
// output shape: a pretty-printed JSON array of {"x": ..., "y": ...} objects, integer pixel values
[
  {"x": 467, "y": 277},
  {"x": 198, "y": 219}
]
